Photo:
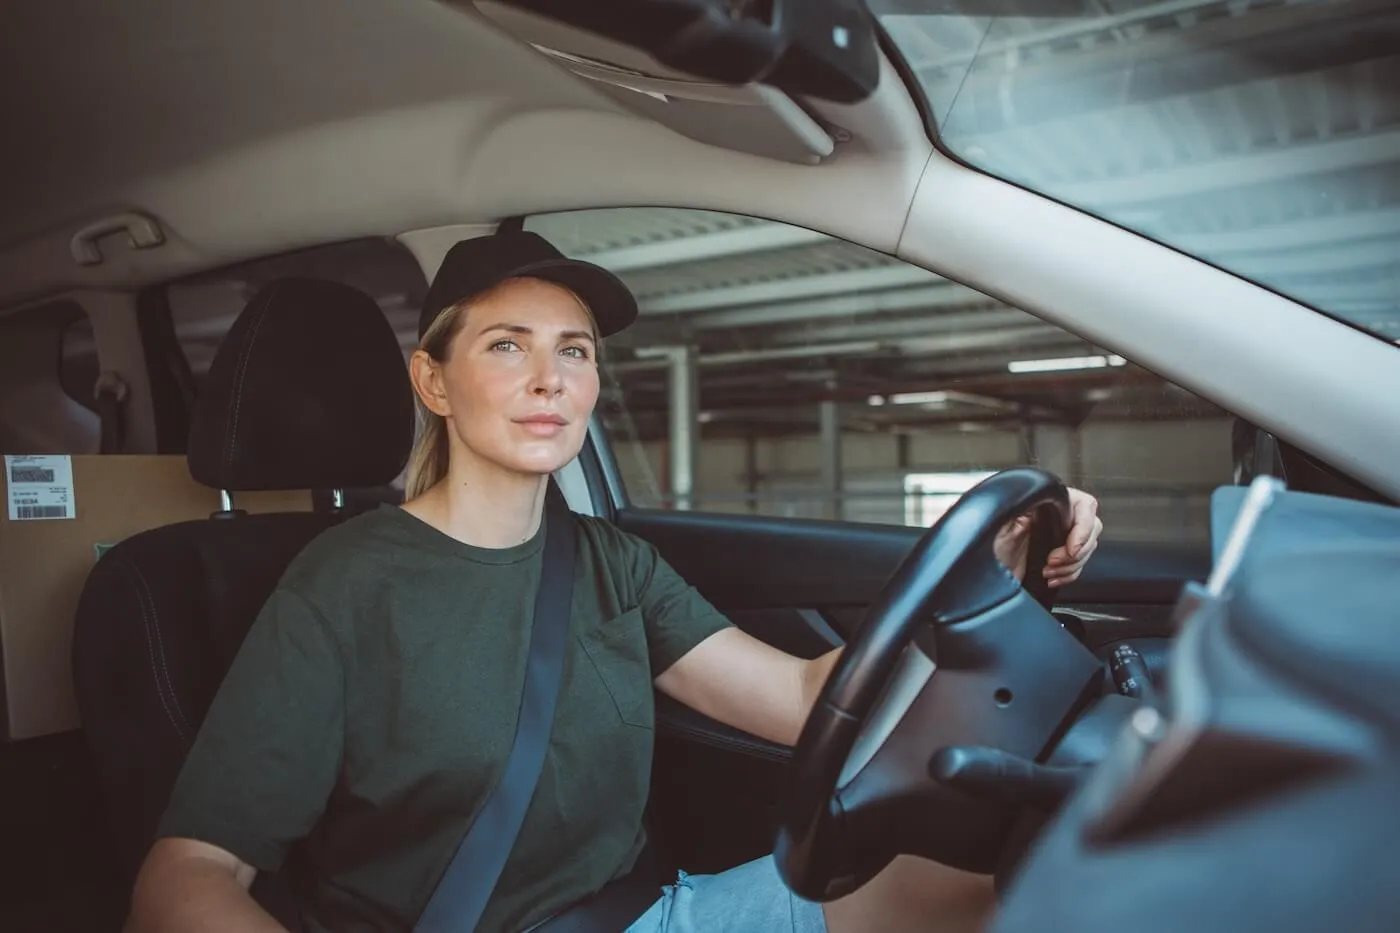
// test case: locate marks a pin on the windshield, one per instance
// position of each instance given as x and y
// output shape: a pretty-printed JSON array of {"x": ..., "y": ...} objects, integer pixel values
[{"x": 1259, "y": 135}]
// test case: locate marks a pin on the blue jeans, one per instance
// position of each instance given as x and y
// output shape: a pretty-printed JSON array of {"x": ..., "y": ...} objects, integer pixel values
[{"x": 750, "y": 898}]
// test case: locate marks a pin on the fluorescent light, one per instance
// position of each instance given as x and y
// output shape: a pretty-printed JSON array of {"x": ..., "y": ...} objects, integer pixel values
[
  {"x": 875, "y": 401},
  {"x": 919, "y": 398},
  {"x": 1064, "y": 364}
]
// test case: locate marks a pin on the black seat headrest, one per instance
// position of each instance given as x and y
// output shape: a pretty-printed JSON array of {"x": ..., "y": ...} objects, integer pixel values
[{"x": 308, "y": 390}]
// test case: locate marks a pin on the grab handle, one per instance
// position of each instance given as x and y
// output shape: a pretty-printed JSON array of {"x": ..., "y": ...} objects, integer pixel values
[{"x": 142, "y": 232}]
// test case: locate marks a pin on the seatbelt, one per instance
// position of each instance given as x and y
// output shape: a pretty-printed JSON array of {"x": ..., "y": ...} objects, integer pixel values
[
  {"x": 459, "y": 900},
  {"x": 109, "y": 394}
]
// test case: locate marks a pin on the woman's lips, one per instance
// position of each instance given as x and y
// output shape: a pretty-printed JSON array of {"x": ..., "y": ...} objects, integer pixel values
[{"x": 542, "y": 425}]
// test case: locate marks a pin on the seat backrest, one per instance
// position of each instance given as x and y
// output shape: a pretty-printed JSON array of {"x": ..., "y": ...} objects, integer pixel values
[
  {"x": 308, "y": 391},
  {"x": 44, "y": 564}
]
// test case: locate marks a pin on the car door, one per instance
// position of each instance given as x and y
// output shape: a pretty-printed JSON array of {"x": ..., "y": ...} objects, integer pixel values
[{"x": 757, "y": 429}]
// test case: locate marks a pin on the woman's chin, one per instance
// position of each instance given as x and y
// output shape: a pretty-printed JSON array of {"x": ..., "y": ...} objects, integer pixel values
[{"x": 541, "y": 460}]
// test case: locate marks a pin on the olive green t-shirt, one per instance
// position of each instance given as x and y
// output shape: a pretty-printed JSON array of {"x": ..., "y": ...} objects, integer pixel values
[{"x": 374, "y": 700}]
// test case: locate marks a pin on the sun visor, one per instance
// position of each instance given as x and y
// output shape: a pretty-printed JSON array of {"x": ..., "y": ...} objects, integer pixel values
[{"x": 753, "y": 118}]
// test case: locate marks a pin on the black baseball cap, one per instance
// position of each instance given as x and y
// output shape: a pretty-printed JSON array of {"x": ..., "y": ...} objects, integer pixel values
[{"x": 477, "y": 264}]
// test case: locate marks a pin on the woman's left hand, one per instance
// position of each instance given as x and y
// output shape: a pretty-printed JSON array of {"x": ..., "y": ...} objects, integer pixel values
[{"x": 1066, "y": 562}]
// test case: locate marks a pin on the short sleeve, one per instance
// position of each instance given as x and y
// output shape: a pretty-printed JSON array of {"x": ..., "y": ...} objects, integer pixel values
[
  {"x": 676, "y": 616},
  {"x": 268, "y": 752}
]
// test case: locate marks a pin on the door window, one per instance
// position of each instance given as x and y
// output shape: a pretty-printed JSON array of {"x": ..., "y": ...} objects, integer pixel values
[
  {"x": 48, "y": 373},
  {"x": 838, "y": 382}
]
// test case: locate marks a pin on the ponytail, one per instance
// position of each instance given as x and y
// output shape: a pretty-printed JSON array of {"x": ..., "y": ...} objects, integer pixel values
[{"x": 427, "y": 464}]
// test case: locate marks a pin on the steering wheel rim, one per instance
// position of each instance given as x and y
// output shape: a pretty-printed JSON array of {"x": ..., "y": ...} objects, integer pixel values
[{"x": 950, "y": 576}]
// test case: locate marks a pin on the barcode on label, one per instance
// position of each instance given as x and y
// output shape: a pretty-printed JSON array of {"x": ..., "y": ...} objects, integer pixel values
[
  {"x": 40, "y": 511},
  {"x": 31, "y": 474}
]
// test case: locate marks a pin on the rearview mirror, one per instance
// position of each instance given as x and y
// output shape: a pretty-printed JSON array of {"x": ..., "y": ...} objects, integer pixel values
[{"x": 825, "y": 49}]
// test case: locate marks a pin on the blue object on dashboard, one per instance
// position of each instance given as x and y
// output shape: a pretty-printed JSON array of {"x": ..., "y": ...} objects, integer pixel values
[{"x": 1275, "y": 760}]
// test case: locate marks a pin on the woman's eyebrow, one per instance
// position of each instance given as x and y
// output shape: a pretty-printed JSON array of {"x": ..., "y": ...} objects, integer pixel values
[
  {"x": 508, "y": 328},
  {"x": 523, "y": 331}
]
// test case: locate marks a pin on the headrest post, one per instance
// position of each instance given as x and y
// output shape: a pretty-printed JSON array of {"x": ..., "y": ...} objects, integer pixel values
[{"x": 226, "y": 509}]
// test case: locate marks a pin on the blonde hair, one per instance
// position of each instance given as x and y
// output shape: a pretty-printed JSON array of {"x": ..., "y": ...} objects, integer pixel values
[
  {"x": 427, "y": 464},
  {"x": 429, "y": 460}
]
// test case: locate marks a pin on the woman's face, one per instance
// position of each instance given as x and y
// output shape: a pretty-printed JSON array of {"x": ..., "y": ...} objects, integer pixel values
[{"x": 520, "y": 379}]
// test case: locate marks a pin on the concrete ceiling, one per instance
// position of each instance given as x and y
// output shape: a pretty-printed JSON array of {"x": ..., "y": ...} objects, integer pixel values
[{"x": 1260, "y": 135}]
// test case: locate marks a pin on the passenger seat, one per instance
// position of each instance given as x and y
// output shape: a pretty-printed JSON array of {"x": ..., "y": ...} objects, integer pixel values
[{"x": 308, "y": 391}]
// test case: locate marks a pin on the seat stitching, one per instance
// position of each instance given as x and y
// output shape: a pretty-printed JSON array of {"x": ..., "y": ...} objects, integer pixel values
[
  {"x": 160, "y": 645},
  {"x": 231, "y": 442},
  {"x": 151, "y": 653},
  {"x": 169, "y": 681}
]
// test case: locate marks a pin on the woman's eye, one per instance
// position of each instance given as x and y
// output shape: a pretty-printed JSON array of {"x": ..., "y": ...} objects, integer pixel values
[
  {"x": 578, "y": 353},
  {"x": 505, "y": 345}
]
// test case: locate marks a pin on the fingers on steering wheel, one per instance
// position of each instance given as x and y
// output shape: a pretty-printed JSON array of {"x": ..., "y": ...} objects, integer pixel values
[
  {"x": 1067, "y": 571},
  {"x": 1084, "y": 525}
]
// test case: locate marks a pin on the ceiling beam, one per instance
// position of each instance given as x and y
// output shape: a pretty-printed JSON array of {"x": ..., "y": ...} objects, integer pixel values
[
  {"x": 925, "y": 347},
  {"x": 888, "y": 288},
  {"x": 1003, "y": 383},
  {"x": 832, "y": 304},
  {"x": 1344, "y": 226},
  {"x": 921, "y": 326},
  {"x": 1340, "y": 257},
  {"x": 1250, "y": 36},
  {"x": 1232, "y": 172},
  {"x": 761, "y": 237},
  {"x": 1076, "y": 28},
  {"x": 810, "y": 286}
]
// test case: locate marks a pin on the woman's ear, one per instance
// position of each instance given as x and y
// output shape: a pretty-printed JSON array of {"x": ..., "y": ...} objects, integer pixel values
[{"x": 426, "y": 376}]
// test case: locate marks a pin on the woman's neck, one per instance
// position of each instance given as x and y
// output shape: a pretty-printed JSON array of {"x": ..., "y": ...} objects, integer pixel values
[{"x": 482, "y": 505}]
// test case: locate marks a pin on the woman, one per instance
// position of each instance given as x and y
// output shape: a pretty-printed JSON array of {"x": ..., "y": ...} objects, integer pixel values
[{"x": 374, "y": 695}]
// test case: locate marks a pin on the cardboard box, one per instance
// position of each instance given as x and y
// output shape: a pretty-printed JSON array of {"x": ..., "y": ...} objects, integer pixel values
[{"x": 44, "y": 563}]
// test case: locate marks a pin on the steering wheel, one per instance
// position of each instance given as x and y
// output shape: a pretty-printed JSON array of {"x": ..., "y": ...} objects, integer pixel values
[{"x": 953, "y": 655}]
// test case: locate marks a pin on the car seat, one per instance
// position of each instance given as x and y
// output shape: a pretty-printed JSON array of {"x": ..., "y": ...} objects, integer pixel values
[{"x": 308, "y": 390}]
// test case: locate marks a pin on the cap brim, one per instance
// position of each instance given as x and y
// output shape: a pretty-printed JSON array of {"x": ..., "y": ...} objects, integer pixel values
[{"x": 608, "y": 298}]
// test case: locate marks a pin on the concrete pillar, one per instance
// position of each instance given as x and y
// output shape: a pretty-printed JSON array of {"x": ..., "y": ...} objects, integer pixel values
[
  {"x": 829, "y": 417},
  {"x": 1076, "y": 457},
  {"x": 683, "y": 389},
  {"x": 751, "y": 470}
]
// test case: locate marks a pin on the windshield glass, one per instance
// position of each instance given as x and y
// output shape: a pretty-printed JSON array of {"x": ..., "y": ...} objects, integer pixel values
[{"x": 1259, "y": 135}]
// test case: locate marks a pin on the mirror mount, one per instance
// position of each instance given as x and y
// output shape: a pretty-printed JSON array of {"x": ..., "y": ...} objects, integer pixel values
[{"x": 824, "y": 49}]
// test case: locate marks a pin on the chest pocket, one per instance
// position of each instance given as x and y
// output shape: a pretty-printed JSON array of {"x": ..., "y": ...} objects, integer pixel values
[{"x": 617, "y": 650}]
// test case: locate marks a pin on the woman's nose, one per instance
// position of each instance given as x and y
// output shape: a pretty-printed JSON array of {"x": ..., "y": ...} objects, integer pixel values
[{"x": 549, "y": 379}]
